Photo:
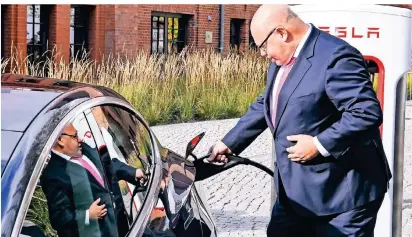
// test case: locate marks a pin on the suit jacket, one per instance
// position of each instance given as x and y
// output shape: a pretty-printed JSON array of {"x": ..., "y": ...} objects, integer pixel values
[
  {"x": 328, "y": 94},
  {"x": 113, "y": 168},
  {"x": 70, "y": 190}
]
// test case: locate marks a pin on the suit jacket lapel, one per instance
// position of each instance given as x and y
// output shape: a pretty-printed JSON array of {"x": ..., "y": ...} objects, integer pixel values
[
  {"x": 93, "y": 156},
  {"x": 292, "y": 81},
  {"x": 271, "y": 77},
  {"x": 298, "y": 71},
  {"x": 76, "y": 172}
]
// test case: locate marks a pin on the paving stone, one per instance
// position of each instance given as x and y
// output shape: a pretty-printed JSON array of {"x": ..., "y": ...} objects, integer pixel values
[{"x": 239, "y": 198}]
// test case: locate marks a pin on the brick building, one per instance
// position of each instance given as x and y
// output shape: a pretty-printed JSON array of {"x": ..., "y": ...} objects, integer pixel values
[{"x": 105, "y": 29}]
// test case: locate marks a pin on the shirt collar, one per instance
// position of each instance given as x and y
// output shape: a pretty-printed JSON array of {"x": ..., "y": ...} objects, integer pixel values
[
  {"x": 66, "y": 157},
  {"x": 303, "y": 41}
]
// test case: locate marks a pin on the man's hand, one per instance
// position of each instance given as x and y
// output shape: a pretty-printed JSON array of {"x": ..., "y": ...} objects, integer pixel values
[
  {"x": 304, "y": 149},
  {"x": 96, "y": 211},
  {"x": 140, "y": 176},
  {"x": 216, "y": 152}
]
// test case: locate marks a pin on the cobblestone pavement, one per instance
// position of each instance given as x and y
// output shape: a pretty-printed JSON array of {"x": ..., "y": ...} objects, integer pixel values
[{"x": 239, "y": 198}]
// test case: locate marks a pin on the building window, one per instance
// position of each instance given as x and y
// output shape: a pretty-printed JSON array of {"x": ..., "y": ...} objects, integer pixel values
[
  {"x": 37, "y": 31},
  {"x": 172, "y": 40},
  {"x": 235, "y": 33},
  {"x": 79, "y": 30}
]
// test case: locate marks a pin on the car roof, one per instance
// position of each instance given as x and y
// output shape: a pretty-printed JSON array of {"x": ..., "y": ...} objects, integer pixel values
[{"x": 23, "y": 98}]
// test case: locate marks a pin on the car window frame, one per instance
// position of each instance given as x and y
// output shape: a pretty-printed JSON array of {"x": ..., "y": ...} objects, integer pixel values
[
  {"x": 141, "y": 221},
  {"x": 97, "y": 135}
]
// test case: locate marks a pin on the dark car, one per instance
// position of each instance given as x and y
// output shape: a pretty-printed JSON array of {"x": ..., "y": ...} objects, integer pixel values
[{"x": 35, "y": 111}]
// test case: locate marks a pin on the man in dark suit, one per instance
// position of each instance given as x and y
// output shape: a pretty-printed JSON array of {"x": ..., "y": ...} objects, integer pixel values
[
  {"x": 331, "y": 173},
  {"x": 78, "y": 198}
]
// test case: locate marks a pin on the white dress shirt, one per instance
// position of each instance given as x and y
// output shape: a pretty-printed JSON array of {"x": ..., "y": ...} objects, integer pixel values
[
  {"x": 319, "y": 146},
  {"x": 66, "y": 157}
]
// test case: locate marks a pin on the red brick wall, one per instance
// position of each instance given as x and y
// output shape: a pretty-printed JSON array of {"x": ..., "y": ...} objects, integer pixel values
[
  {"x": 59, "y": 31},
  {"x": 96, "y": 32},
  {"x": 15, "y": 31},
  {"x": 109, "y": 29},
  {"x": 6, "y": 38},
  {"x": 126, "y": 29},
  {"x": 129, "y": 32},
  {"x": 245, "y": 12},
  {"x": 205, "y": 25}
]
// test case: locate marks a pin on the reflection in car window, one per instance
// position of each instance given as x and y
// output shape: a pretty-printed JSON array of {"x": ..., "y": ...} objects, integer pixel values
[
  {"x": 126, "y": 141},
  {"x": 73, "y": 197}
]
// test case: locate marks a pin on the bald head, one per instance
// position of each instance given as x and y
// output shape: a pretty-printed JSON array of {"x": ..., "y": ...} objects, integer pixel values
[
  {"x": 290, "y": 29},
  {"x": 269, "y": 16},
  {"x": 273, "y": 14}
]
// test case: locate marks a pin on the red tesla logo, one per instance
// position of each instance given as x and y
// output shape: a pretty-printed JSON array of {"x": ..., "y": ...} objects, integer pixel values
[{"x": 352, "y": 32}]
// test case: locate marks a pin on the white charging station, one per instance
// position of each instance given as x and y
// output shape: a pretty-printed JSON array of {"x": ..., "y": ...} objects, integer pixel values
[{"x": 383, "y": 35}]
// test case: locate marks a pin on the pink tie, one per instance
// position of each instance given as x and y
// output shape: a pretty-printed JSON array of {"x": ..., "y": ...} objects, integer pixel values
[
  {"x": 88, "y": 167},
  {"x": 281, "y": 82}
]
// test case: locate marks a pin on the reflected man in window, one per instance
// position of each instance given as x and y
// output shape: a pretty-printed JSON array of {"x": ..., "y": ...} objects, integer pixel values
[{"x": 79, "y": 200}]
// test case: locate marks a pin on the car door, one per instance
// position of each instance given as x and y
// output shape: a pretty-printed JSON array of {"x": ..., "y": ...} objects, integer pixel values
[
  {"x": 138, "y": 199},
  {"x": 70, "y": 188},
  {"x": 124, "y": 139},
  {"x": 123, "y": 136}
]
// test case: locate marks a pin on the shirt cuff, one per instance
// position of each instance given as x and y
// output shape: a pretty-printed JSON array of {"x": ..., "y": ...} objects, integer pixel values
[
  {"x": 87, "y": 221},
  {"x": 320, "y": 148}
]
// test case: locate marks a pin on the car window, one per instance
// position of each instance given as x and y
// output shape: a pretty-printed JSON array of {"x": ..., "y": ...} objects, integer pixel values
[
  {"x": 72, "y": 197},
  {"x": 124, "y": 140}
]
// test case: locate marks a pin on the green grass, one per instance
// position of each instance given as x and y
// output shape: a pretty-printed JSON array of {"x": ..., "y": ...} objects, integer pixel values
[{"x": 38, "y": 213}]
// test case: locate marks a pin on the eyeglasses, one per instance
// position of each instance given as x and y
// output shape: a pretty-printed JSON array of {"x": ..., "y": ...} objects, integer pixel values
[
  {"x": 75, "y": 136},
  {"x": 264, "y": 41}
]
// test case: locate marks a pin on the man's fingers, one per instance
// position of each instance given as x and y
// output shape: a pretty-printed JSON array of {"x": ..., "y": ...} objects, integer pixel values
[
  {"x": 103, "y": 213},
  {"x": 96, "y": 202},
  {"x": 293, "y": 156},
  {"x": 140, "y": 175},
  {"x": 293, "y": 137},
  {"x": 101, "y": 207},
  {"x": 211, "y": 149},
  {"x": 221, "y": 158},
  {"x": 212, "y": 155},
  {"x": 296, "y": 159},
  {"x": 291, "y": 149}
]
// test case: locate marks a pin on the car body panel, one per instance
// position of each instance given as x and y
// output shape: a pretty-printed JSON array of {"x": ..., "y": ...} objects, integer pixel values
[
  {"x": 178, "y": 194},
  {"x": 22, "y": 106},
  {"x": 8, "y": 145},
  {"x": 182, "y": 212}
]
